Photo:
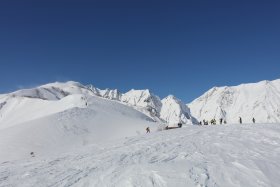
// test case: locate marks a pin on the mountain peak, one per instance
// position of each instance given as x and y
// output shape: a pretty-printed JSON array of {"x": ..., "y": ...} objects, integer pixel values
[
  {"x": 174, "y": 111},
  {"x": 259, "y": 100}
]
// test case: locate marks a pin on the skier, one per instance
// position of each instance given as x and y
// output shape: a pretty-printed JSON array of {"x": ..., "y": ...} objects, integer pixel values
[
  {"x": 221, "y": 121},
  {"x": 253, "y": 120},
  {"x": 240, "y": 120},
  {"x": 147, "y": 130}
]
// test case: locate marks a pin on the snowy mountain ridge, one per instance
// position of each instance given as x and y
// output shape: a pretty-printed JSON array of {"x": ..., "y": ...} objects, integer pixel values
[
  {"x": 254, "y": 100},
  {"x": 141, "y": 100},
  {"x": 259, "y": 100}
]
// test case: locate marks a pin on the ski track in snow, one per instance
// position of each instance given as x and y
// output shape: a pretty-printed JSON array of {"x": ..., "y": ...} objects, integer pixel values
[{"x": 221, "y": 155}]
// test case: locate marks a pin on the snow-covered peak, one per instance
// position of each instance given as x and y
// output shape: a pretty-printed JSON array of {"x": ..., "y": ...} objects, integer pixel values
[
  {"x": 143, "y": 98},
  {"x": 94, "y": 90},
  {"x": 110, "y": 94},
  {"x": 53, "y": 91},
  {"x": 63, "y": 84},
  {"x": 172, "y": 97},
  {"x": 254, "y": 100},
  {"x": 174, "y": 111}
]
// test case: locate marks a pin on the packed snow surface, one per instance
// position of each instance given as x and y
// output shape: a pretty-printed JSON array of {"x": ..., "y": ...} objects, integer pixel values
[{"x": 223, "y": 155}]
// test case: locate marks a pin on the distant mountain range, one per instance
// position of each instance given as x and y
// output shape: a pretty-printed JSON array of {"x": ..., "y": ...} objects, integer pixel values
[
  {"x": 259, "y": 100},
  {"x": 170, "y": 110}
]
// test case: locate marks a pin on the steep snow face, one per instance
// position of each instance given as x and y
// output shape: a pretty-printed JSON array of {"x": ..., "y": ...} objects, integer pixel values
[
  {"x": 143, "y": 98},
  {"x": 174, "y": 111},
  {"x": 256, "y": 100}
]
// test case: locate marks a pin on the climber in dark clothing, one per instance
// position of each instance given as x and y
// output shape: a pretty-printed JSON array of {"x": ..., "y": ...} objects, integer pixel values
[
  {"x": 147, "y": 130},
  {"x": 254, "y": 121},
  {"x": 240, "y": 120},
  {"x": 221, "y": 121}
]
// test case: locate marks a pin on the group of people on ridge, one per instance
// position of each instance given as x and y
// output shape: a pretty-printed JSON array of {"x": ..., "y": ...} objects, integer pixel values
[
  {"x": 253, "y": 120},
  {"x": 213, "y": 121}
]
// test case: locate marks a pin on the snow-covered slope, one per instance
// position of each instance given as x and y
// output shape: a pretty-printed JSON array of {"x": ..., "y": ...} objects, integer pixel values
[
  {"x": 259, "y": 100},
  {"x": 17, "y": 110},
  {"x": 212, "y": 156},
  {"x": 28, "y": 104},
  {"x": 174, "y": 111},
  {"x": 71, "y": 122}
]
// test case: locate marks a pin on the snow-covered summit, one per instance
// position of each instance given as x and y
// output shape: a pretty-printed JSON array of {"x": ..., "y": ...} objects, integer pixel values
[
  {"x": 111, "y": 94},
  {"x": 143, "y": 98},
  {"x": 174, "y": 111},
  {"x": 259, "y": 100},
  {"x": 52, "y": 91}
]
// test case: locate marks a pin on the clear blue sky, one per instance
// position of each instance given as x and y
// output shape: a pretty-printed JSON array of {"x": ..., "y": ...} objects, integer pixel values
[{"x": 171, "y": 47}]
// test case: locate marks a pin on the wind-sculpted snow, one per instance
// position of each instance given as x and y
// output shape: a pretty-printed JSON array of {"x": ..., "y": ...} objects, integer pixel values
[
  {"x": 213, "y": 156},
  {"x": 257, "y": 100}
]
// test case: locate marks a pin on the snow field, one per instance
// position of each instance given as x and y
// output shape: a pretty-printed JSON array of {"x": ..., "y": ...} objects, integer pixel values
[{"x": 226, "y": 155}]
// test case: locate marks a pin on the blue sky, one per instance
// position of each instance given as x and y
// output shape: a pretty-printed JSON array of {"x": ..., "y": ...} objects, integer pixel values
[{"x": 171, "y": 47}]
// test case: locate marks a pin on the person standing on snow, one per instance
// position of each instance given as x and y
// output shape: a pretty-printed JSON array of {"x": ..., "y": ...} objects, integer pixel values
[
  {"x": 147, "y": 130},
  {"x": 240, "y": 120},
  {"x": 253, "y": 120}
]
